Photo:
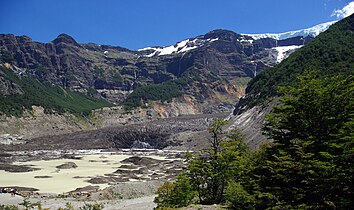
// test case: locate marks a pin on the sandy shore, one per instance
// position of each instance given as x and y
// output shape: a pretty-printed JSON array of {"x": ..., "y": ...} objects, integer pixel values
[
  {"x": 142, "y": 203},
  {"x": 7, "y": 199}
]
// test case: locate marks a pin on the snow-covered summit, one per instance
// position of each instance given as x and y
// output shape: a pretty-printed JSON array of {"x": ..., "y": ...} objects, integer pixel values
[
  {"x": 182, "y": 46},
  {"x": 193, "y": 43},
  {"x": 313, "y": 31}
]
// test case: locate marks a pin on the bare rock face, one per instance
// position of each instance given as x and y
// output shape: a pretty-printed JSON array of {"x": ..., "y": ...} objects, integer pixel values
[
  {"x": 250, "y": 122},
  {"x": 66, "y": 39},
  {"x": 67, "y": 165},
  {"x": 113, "y": 70}
]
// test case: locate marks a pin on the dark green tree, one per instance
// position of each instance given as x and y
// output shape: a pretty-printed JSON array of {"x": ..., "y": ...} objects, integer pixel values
[
  {"x": 207, "y": 171},
  {"x": 226, "y": 160},
  {"x": 310, "y": 164}
]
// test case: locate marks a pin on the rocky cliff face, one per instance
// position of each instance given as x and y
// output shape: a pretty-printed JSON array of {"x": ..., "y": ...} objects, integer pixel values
[{"x": 215, "y": 62}]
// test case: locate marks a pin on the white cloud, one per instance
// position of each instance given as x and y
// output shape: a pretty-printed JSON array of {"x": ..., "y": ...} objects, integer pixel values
[{"x": 345, "y": 12}]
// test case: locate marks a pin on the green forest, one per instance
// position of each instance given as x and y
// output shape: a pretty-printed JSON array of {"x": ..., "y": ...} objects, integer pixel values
[
  {"x": 165, "y": 91},
  {"x": 51, "y": 97}
]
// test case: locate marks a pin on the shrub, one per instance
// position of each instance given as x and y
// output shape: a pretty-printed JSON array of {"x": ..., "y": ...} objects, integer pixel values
[
  {"x": 175, "y": 195},
  {"x": 238, "y": 198}
]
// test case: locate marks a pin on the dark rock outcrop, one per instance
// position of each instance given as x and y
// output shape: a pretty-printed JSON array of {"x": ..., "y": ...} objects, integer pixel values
[
  {"x": 137, "y": 160},
  {"x": 67, "y": 165},
  {"x": 66, "y": 39},
  {"x": 16, "y": 168}
]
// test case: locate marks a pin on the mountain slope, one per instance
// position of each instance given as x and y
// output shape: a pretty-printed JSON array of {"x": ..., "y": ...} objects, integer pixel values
[
  {"x": 330, "y": 53},
  {"x": 213, "y": 68},
  {"x": 30, "y": 92}
]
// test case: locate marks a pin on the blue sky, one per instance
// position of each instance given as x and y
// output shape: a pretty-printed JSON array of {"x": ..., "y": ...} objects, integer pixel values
[{"x": 136, "y": 24}]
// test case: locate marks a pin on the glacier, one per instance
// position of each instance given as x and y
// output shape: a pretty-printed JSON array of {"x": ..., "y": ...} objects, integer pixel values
[
  {"x": 284, "y": 51},
  {"x": 313, "y": 31}
]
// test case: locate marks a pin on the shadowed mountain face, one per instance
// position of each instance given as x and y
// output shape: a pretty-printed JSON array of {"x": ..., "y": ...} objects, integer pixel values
[{"x": 213, "y": 65}]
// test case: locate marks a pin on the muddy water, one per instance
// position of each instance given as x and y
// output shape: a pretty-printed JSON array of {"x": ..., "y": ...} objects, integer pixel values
[{"x": 64, "y": 180}]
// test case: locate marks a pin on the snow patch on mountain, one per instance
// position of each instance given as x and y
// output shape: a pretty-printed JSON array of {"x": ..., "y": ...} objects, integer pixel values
[
  {"x": 190, "y": 44},
  {"x": 245, "y": 39},
  {"x": 313, "y": 31},
  {"x": 284, "y": 51},
  {"x": 183, "y": 46}
]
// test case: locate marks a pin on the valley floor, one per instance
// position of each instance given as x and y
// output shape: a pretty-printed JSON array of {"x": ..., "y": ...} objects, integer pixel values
[{"x": 131, "y": 181}]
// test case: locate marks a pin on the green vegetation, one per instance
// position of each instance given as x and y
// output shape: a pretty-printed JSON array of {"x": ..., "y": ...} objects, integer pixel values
[
  {"x": 70, "y": 76},
  {"x": 92, "y": 207},
  {"x": 309, "y": 164},
  {"x": 41, "y": 72},
  {"x": 117, "y": 78},
  {"x": 156, "y": 92},
  {"x": 206, "y": 178},
  {"x": 178, "y": 194},
  {"x": 29, "y": 205},
  {"x": 91, "y": 91},
  {"x": 98, "y": 72},
  {"x": 50, "y": 97},
  {"x": 330, "y": 53},
  {"x": 8, "y": 207}
]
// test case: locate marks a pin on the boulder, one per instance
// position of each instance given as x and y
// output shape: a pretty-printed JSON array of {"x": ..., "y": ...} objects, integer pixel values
[{"x": 67, "y": 165}]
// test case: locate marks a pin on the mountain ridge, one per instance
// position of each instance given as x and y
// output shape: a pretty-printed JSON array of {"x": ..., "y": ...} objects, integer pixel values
[
  {"x": 209, "y": 79},
  {"x": 213, "y": 64},
  {"x": 312, "y": 32}
]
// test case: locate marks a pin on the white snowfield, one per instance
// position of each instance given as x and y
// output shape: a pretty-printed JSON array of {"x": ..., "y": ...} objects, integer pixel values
[
  {"x": 313, "y": 31},
  {"x": 190, "y": 44},
  {"x": 283, "y": 51},
  {"x": 183, "y": 46}
]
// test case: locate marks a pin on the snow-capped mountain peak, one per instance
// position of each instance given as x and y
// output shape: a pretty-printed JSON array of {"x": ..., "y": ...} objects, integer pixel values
[
  {"x": 182, "y": 46},
  {"x": 313, "y": 31},
  {"x": 193, "y": 43}
]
